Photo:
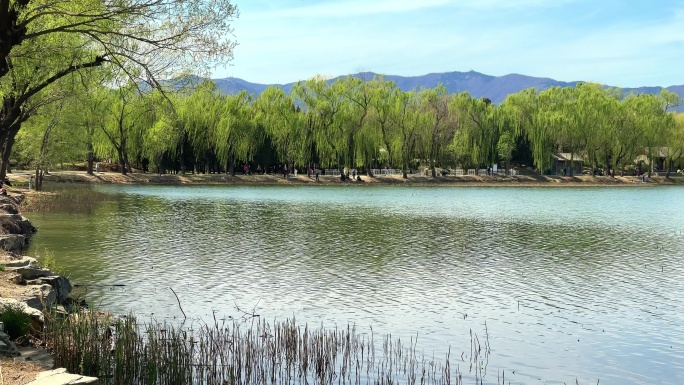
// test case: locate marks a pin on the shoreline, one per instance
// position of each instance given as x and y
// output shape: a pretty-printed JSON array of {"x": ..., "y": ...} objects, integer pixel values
[{"x": 22, "y": 178}]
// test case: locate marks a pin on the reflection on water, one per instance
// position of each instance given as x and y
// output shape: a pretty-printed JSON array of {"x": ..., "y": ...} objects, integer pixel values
[{"x": 572, "y": 283}]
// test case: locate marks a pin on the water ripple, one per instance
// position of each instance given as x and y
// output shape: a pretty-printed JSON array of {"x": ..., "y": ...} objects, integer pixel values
[{"x": 571, "y": 285}]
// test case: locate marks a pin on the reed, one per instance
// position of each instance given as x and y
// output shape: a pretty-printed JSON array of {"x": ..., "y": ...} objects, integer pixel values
[
  {"x": 119, "y": 350},
  {"x": 78, "y": 199}
]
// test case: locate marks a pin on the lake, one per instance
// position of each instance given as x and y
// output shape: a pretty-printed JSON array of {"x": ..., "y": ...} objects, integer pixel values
[{"x": 567, "y": 284}]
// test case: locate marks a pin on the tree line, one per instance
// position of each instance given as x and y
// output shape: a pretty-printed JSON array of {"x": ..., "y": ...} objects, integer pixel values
[{"x": 353, "y": 123}]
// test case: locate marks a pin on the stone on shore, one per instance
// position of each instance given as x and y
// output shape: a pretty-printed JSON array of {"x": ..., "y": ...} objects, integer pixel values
[
  {"x": 36, "y": 315},
  {"x": 60, "y": 284},
  {"x": 61, "y": 377},
  {"x": 7, "y": 347},
  {"x": 21, "y": 262},
  {"x": 13, "y": 243}
]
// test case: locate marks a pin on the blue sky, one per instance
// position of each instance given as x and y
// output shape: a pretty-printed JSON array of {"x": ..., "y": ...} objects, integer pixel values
[{"x": 619, "y": 43}]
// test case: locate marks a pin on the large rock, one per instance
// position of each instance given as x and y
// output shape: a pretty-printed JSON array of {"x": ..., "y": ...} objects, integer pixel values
[
  {"x": 59, "y": 283},
  {"x": 13, "y": 243},
  {"x": 9, "y": 208},
  {"x": 61, "y": 377},
  {"x": 36, "y": 315},
  {"x": 20, "y": 262},
  {"x": 40, "y": 297},
  {"x": 16, "y": 224},
  {"x": 31, "y": 272}
]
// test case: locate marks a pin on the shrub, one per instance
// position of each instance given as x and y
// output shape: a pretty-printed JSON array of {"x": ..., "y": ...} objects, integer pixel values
[{"x": 17, "y": 323}]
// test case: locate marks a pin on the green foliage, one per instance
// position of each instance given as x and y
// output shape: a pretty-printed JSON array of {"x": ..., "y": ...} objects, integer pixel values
[
  {"x": 17, "y": 323},
  {"x": 48, "y": 261},
  {"x": 351, "y": 123},
  {"x": 505, "y": 145}
]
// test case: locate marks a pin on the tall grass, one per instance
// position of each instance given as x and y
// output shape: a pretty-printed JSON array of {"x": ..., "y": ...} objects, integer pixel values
[
  {"x": 121, "y": 351},
  {"x": 77, "y": 199}
]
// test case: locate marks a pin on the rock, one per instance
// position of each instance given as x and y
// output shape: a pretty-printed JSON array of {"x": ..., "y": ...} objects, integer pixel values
[
  {"x": 7, "y": 347},
  {"x": 36, "y": 315},
  {"x": 21, "y": 262},
  {"x": 61, "y": 377},
  {"x": 59, "y": 283},
  {"x": 12, "y": 242},
  {"x": 38, "y": 356},
  {"x": 40, "y": 297},
  {"x": 15, "y": 279},
  {"x": 16, "y": 224},
  {"x": 31, "y": 272},
  {"x": 9, "y": 208}
]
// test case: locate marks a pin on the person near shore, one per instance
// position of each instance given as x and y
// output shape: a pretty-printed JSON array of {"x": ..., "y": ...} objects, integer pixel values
[{"x": 317, "y": 174}]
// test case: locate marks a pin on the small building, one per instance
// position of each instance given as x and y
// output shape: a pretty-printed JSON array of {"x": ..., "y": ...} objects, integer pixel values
[{"x": 567, "y": 164}]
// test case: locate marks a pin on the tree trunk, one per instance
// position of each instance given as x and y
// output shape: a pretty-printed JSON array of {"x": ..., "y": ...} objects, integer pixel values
[
  {"x": 122, "y": 161},
  {"x": 231, "y": 163},
  {"x": 7, "y": 151},
  {"x": 39, "y": 179},
  {"x": 91, "y": 159},
  {"x": 127, "y": 163},
  {"x": 668, "y": 165}
]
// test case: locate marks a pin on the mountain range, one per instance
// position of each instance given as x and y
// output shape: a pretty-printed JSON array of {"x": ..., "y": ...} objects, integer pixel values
[{"x": 479, "y": 85}]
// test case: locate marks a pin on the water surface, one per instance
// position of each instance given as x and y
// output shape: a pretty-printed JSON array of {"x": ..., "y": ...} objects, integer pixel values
[{"x": 567, "y": 283}]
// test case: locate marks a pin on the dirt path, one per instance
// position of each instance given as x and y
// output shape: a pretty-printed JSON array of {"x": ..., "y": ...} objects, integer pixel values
[{"x": 21, "y": 179}]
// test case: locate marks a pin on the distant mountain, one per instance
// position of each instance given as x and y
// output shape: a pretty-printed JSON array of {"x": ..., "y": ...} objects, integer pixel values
[{"x": 496, "y": 88}]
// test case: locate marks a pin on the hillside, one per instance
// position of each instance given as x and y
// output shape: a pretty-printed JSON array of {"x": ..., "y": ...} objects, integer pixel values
[{"x": 477, "y": 84}]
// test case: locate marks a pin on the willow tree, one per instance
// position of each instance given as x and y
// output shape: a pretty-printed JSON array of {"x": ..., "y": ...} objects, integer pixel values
[
  {"x": 479, "y": 128},
  {"x": 407, "y": 123},
  {"x": 590, "y": 122},
  {"x": 195, "y": 108},
  {"x": 675, "y": 143},
  {"x": 161, "y": 137},
  {"x": 355, "y": 120},
  {"x": 284, "y": 123},
  {"x": 322, "y": 104},
  {"x": 384, "y": 98},
  {"x": 442, "y": 125},
  {"x": 143, "y": 39},
  {"x": 656, "y": 121},
  {"x": 627, "y": 132},
  {"x": 125, "y": 117},
  {"x": 522, "y": 113},
  {"x": 46, "y": 140},
  {"x": 505, "y": 147},
  {"x": 235, "y": 130}
]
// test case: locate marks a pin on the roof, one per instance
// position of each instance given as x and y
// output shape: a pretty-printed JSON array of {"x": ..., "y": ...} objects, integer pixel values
[{"x": 568, "y": 157}]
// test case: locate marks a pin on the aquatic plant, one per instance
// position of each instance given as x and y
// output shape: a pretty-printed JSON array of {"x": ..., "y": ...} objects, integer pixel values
[
  {"x": 77, "y": 199},
  {"x": 120, "y": 350}
]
